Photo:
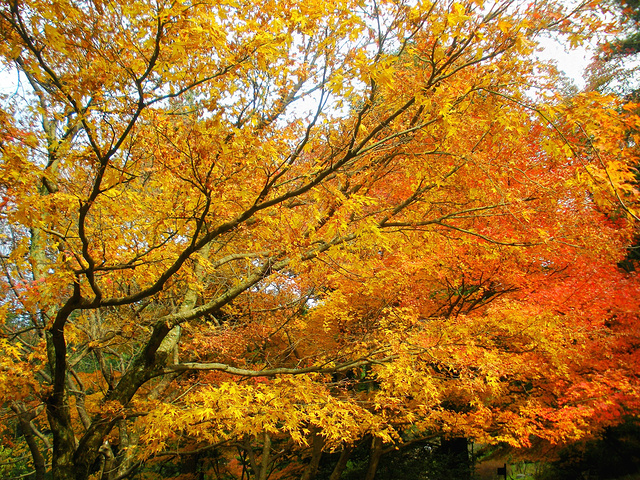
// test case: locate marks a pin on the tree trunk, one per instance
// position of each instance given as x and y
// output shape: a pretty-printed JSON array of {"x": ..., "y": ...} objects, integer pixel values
[
  {"x": 25, "y": 417},
  {"x": 316, "y": 454},
  {"x": 266, "y": 457},
  {"x": 108, "y": 471},
  {"x": 374, "y": 458},
  {"x": 64, "y": 442},
  {"x": 345, "y": 454},
  {"x": 128, "y": 441}
]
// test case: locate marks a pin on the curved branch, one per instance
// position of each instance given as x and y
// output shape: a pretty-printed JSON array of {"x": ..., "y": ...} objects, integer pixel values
[{"x": 271, "y": 372}]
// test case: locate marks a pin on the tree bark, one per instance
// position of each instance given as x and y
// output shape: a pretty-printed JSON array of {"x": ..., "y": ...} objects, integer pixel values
[
  {"x": 108, "y": 471},
  {"x": 25, "y": 417},
  {"x": 128, "y": 441},
  {"x": 345, "y": 454},
  {"x": 316, "y": 454},
  {"x": 266, "y": 457},
  {"x": 374, "y": 458}
]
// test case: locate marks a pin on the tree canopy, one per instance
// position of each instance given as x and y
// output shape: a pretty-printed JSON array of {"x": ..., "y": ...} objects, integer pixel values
[{"x": 280, "y": 228}]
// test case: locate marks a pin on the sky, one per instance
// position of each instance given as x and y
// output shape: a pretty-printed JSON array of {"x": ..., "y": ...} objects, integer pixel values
[
  {"x": 572, "y": 63},
  {"x": 7, "y": 82}
]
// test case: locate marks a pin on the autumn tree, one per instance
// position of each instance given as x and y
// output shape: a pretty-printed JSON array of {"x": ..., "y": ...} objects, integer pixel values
[
  {"x": 612, "y": 68},
  {"x": 247, "y": 225}
]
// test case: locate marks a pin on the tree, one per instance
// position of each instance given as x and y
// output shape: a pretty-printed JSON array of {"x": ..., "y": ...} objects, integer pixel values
[
  {"x": 611, "y": 68},
  {"x": 235, "y": 225},
  {"x": 629, "y": 16}
]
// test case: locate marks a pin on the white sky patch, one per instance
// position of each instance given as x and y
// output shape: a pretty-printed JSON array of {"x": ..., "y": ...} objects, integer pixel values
[
  {"x": 571, "y": 62},
  {"x": 8, "y": 80}
]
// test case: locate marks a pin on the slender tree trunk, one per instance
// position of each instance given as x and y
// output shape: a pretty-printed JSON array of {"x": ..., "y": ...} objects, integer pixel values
[
  {"x": 59, "y": 416},
  {"x": 316, "y": 454},
  {"x": 109, "y": 465},
  {"x": 128, "y": 441},
  {"x": 345, "y": 454},
  {"x": 266, "y": 457},
  {"x": 374, "y": 458},
  {"x": 25, "y": 417}
]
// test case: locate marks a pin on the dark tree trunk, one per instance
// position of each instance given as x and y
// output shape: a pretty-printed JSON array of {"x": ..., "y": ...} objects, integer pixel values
[
  {"x": 342, "y": 463},
  {"x": 311, "y": 469},
  {"x": 25, "y": 417},
  {"x": 374, "y": 458}
]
